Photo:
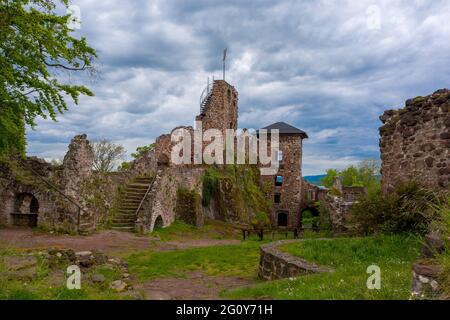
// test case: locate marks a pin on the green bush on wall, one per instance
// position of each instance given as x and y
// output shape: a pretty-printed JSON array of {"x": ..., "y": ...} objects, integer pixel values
[
  {"x": 411, "y": 207},
  {"x": 237, "y": 188}
]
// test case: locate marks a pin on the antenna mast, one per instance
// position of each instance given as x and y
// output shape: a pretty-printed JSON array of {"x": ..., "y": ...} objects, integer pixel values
[{"x": 224, "y": 59}]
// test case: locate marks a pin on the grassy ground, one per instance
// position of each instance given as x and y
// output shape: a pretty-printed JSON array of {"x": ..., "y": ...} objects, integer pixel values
[
  {"x": 350, "y": 257},
  {"x": 227, "y": 260},
  {"x": 211, "y": 230},
  {"x": 51, "y": 285}
]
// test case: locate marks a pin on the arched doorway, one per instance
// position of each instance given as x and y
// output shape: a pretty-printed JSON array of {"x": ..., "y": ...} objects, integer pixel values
[
  {"x": 310, "y": 218},
  {"x": 282, "y": 219},
  {"x": 26, "y": 210},
  {"x": 159, "y": 223}
]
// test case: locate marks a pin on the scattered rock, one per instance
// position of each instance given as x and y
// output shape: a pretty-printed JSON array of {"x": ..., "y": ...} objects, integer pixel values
[
  {"x": 119, "y": 286},
  {"x": 15, "y": 263},
  {"x": 98, "y": 278}
]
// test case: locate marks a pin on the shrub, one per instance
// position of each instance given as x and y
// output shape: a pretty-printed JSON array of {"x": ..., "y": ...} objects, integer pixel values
[
  {"x": 324, "y": 217},
  {"x": 410, "y": 208}
]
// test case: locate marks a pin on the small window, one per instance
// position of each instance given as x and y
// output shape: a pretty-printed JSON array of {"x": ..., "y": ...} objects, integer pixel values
[
  {"x": 279, "y": 155},
  {"x": 279, "y": 181},
  {"x": 277, "y": 198}
]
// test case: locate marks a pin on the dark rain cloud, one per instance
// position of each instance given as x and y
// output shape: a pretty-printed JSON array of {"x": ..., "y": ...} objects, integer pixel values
[{"x": 323, "y": 66}]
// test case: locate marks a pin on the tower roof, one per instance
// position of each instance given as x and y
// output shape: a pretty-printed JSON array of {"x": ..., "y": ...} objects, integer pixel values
[{"x": 285, "y": 128}]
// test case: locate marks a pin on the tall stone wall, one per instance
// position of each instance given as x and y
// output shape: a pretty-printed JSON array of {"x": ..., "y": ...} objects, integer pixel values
[
  {"x": 77, "y": 167},
  {"x": 415, "y": 142},
  {"x": 162, "y": 199}
]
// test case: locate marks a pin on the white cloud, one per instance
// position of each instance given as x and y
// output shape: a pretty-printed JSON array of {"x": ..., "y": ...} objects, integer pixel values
[{"x": 314, "y": 64}]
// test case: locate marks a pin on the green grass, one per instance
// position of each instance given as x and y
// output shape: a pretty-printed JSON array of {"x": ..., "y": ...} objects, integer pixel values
[
  {"x": 227, "y": 260},
  {"x": 211, "y": 230},
  {"x": 45, "y": 287},
  {"x": 350, "y": 258}
]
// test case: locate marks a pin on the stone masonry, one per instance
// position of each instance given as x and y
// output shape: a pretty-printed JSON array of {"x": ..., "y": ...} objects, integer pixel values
[
  {"x": 287, "y": 196},
  {"x": 275, "y": 264},
  {"x": 415, "y": 142}
]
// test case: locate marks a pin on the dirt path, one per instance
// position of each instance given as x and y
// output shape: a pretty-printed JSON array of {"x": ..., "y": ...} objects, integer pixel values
[
  {"x": 105, "y": 241},
  {"x": 196, "y": 286}
]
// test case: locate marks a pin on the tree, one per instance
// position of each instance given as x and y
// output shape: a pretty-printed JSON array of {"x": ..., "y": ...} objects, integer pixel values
[
  {"x": 140, "y": 151},
  {"x": 365, "y": 174},
  {"x": 328, "y": 180},
  {"x": 107, "y": 155},
  {"x": 36, "y": 47}
]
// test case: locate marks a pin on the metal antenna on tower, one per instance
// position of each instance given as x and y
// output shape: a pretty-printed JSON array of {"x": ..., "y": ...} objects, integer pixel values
[{"x": 224, "y": 59}]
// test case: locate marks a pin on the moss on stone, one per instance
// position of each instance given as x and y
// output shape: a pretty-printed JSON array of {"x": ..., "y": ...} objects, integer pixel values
[{"x": 237, "y": 193}]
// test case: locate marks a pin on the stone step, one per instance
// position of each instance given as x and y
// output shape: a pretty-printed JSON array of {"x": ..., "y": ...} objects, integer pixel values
[
  {"x": 134, "y": 193},
  {"x": 144, "y": 180},
  {"x": 137, "y": 186},
  {"x": 128, "y": 208},
  {"x": 128, "y": 219},
  {"x": 129, "y": 228},
  {"x": 126, "y": 212},
  {"x": 134, "y": 200}
]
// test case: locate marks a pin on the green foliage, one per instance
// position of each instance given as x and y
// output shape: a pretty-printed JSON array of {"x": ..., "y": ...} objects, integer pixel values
[
  {"x": 35, "y": 45},
  {"x": 444, "y": 279},
  {"x": 188, "y": 205},
  {"x": 324, "y": 217},
  {"x": 363, "y": 175},
  {"x": 328, "y": 180},
  {"x": 140, "y": 151},
  {"x": 212, "y": 229},
  {"x": 238, "y": 188},
  {"x": 350, "y": 258},
  {"x": 211, "y": 187},
  {"x": 12, "y": 131},
  {"x": 410, "y": 208},
  {"x": 308, "y": 219}
]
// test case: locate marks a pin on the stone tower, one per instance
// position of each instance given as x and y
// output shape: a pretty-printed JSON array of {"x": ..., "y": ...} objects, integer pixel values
[
  {"x": 219, "y": 107},
  {"x": 286, "y": 192}
]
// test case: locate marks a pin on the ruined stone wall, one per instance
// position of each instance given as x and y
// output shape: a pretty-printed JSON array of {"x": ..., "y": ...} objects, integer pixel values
[
  {"x": 143, "y": 166},
  {"x": 338, "y": 202},
  {"x": 77, "y": 167},
  {"x": 16, "y": 180},
  {"x": 275, "y": 264},
  {"x": 162, "y": 199},
  {"x": 415, "y": 142},
  {"x": 291, "y": 194}
]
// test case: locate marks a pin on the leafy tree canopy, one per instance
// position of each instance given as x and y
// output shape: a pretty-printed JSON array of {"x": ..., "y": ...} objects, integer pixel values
[
  {"x": 36, "y": 45},
  {"x": 365, "y": 174}
]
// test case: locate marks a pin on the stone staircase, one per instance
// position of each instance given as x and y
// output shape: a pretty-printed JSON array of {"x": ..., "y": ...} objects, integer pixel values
[{"x": 134, "y": 192}]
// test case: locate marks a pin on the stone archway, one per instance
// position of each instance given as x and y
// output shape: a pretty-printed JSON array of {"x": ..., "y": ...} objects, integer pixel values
[
  {"x": 309, "y": 218},
  {"x": 26, "y": 210},
  {"x": 159, "y": 223}
]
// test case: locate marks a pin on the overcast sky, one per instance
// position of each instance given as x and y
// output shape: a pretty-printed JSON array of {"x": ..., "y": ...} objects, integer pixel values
[{"x": 328, "y": 67}]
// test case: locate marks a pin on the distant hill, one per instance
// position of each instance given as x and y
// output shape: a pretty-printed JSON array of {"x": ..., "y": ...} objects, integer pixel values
[{"x": 315, "y": 179}]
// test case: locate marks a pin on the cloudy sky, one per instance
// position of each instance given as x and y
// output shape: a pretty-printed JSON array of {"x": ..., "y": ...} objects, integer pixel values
[{"x": 328, "y": 67}]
